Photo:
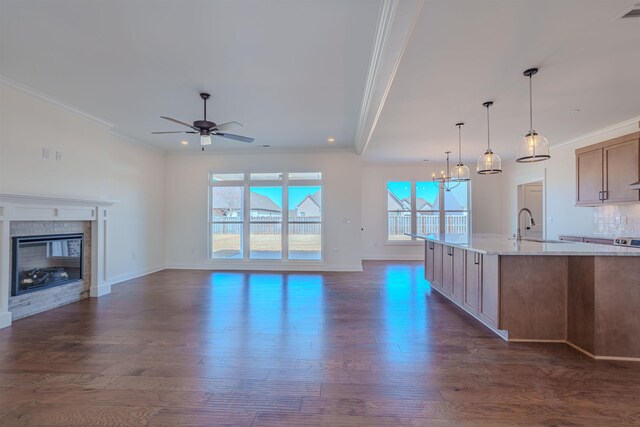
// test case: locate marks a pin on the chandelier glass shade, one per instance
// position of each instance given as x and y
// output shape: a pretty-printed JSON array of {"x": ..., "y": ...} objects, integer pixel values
[{"x": 445, "y": 179}]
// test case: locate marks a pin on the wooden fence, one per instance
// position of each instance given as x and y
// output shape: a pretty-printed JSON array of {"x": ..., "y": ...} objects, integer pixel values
[{"x": 428, "y": 224}]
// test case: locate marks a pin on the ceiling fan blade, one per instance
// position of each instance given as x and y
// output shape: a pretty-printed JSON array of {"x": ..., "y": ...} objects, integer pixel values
[
  {"x": 178, "y": 122},
  {"x": 228, "y": 126},
  {"x": 236, "y": 137},
  {"x": 174, "y": 131}
]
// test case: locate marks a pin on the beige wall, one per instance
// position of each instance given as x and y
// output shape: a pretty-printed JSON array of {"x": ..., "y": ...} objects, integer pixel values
[
  {"x": 95, "y": 165},
  {"x": 187, "y": 195},
  {"x": 485, "y": 207},
  {"x": 562, "y": 216}
]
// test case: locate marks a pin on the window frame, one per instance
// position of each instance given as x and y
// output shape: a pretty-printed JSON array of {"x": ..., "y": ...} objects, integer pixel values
[
  {"x": 246, "y": 183},
  {"x": 414, "y": 211}
]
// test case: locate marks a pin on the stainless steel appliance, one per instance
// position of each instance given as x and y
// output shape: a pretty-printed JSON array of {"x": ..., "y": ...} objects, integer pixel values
[{"x": 633, "y": 242}]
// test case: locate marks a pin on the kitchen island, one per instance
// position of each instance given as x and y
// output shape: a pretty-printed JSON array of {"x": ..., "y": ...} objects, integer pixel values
[{"x": 584, "y": 295}]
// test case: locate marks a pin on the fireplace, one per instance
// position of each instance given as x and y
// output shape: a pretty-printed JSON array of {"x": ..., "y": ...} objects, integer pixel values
[{"x": 42, "y": 262}]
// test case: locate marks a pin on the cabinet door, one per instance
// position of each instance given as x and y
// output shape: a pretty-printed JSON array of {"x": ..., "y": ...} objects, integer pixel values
[
  {"x": 459, "y": 269},
  {"x": 472, "y": 283},
  {"x": 490, "y": 290},
  {"x": 428, "y": 264},
  {"x": 589, "y": 177},
  {"x": 621, "y": 169},
  {"x": 437, "y": 266},
  {"x": 447, "y": 270}
]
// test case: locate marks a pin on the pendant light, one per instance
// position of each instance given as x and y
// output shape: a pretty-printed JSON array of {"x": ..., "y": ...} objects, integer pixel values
[
  {"x": 489, "y": 163},
  {"x": 445, "y": 181},
  {"x": 460, "y": 172},
  {"x": 533, "y": 147}
]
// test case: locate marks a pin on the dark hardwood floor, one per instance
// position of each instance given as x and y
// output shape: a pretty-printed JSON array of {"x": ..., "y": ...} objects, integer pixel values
[{"x": 197, "y": 348}]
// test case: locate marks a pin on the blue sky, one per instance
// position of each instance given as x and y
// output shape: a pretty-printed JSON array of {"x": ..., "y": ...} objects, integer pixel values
[{"x": 296, "y": 194}]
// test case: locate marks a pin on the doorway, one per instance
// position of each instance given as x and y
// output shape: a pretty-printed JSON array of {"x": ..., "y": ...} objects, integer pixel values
[{"x": 530, "y": 195}]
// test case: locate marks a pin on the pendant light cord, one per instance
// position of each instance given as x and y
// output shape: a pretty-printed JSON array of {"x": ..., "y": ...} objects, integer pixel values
[
  {"x": 488, "y": 133},
  {"x": 530, "y": 107},
  {"x": 459, "y": 145}
]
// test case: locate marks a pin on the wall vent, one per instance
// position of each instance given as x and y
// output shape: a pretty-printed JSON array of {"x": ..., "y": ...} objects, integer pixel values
[{"x": 633, "y": 13}]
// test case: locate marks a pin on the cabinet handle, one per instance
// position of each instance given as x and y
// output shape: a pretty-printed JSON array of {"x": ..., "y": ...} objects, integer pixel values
[
  {"x": 476, "y": 258},
  {"x": 600, "y": 195},
  {"x": 605, "y": 195}
]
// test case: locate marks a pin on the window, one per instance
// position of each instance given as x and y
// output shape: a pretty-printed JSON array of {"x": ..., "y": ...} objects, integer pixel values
[
  {"x": 268, "y": 216},
  {"x": 425, "y": 208}
]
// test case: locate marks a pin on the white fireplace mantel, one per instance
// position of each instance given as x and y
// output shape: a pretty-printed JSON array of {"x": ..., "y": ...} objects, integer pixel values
[{"x": 22, "y": 207}]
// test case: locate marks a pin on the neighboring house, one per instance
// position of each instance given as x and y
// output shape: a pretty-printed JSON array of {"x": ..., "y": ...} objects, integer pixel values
[
  {"x": 262, "y": 206},
  {"x": 404, "y": 205},
  {"x": 310, "y": 206}
]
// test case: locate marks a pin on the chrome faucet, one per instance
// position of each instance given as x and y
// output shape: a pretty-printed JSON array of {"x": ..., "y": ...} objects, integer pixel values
[{"x": 532, "y": 222}]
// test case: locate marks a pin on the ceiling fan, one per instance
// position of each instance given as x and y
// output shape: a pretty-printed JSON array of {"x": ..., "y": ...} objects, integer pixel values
[{"x": 206, "y": 128}]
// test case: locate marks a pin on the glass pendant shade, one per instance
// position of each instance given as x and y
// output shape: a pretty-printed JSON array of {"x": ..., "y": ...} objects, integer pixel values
[
  {"x": 460, "y": 173},
  {"x": 205, "y": 140},
  {"x": 489, "y": 163},
  {"x": 532, "y": 148}
]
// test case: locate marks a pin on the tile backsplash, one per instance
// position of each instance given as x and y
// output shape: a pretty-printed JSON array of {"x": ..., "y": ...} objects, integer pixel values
[{"x": 617, "y": 220}]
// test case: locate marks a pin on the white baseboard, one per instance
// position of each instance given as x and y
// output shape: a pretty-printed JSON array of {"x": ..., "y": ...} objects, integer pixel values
[
  {"x": 263, "y": 266},
  {"x": 394, "y": 257},
  {"x": 98, "y": 291},
  {"x": 135, "y": 274},
  {"x": 5, "y": 319}
]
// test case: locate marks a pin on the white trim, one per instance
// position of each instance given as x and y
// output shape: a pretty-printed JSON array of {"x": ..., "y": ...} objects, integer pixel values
[
  {"x": 369, "y": 114},
  {"x": 599, "y": 132},
  {"x": 136, "y": 142},
  {"x": 263, "y": 265},
  {"x": 135, "y": 274},
  {"x": 5, "y": 319},
  {"x": 394, "y": 257},
  {"x": 56, "y": 201},
  {"x": 43, "y": 96}
]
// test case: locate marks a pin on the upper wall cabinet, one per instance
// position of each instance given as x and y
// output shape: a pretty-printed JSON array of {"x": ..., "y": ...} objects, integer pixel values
[{"x": 604, "y": 170}]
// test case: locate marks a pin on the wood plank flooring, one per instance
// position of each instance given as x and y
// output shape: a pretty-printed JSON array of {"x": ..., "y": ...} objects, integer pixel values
[{"x": 377, "y": 348}]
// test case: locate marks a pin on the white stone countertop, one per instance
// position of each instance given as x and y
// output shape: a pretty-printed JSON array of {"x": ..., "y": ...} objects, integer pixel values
[{"x": 497, "y": 244}]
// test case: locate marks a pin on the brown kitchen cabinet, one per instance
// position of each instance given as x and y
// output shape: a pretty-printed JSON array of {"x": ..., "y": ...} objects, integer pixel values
[
  {"x": 428, "y": 265},
  {"x": 473, "y": 278},
  {"x": 437, "y": 266},
  {"x": 447, "y": 270},
  {"x": 604, "y": 171},
  {"x": 459, "y": 269}
]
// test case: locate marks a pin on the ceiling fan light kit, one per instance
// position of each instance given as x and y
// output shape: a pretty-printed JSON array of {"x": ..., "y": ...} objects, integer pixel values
[
  {"x": 206, "y": 128},
  {"x": 533, "y": 147}
]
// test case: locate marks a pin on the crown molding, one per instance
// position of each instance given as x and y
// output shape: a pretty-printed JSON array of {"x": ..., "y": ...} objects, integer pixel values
[
  {"x": 600, "y": 132},
  {"x": 396, "y": 22},
  {"x": 43, "y": 96},
  {"x": 54, "y": 201},
  {"x": 136, "y": 142}
]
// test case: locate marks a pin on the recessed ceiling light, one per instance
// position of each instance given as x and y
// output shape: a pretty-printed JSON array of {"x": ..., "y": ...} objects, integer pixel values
[
  {"x": 184, "y": 142},
  {"x": 425, "y": 160},
  {"x": 330, "y": 140},
  {"x": 575, "y": 110},
  {"x": 266, "y": 146}
]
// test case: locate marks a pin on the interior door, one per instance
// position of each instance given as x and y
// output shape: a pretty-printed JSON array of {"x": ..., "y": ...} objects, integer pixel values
[{"x": 532, "y": 199}]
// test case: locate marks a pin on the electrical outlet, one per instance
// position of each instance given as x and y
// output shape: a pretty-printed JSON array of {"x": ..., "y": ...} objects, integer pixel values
[
  {"x": 45, "y": 153},
  {"x": 58, "y": 155}
]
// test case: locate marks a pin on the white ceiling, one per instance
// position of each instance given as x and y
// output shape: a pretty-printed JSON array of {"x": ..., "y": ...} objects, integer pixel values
[
  {"x": 292, "y": 72},
  {"x": 464, "y": 52},
  {"x": 298, "y": 72}
]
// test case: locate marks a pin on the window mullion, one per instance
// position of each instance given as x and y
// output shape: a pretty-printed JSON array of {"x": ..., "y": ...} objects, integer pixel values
[
  {"x": 441, "y": 211},
  {"x": 246, "y": 217},
  {"x": 414, "y": 208},
  {"x": 285, "y": 216}
]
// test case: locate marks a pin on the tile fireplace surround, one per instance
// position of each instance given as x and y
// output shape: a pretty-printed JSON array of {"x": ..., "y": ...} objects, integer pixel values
[{"x": 23, "y": 208}]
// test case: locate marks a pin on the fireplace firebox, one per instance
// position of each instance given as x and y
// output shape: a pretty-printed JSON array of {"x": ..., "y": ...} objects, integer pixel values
[{"x": 41, "y": 262}]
